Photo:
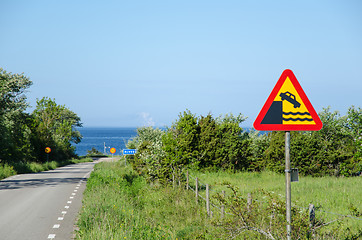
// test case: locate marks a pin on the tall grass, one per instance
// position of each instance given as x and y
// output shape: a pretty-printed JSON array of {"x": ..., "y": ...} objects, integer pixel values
[
  {"x": 331, "y": 196},
  {"x": 329, "y": 193},
  {"x": 7, "y": 170},
  {"x": 118, "y": 204}
]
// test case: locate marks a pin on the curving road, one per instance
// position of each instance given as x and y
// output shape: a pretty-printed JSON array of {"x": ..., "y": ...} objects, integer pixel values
[{"x": 42, "y": 205}]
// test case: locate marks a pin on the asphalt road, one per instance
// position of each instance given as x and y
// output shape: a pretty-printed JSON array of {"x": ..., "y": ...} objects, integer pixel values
[{"x": 42, "y": 205}]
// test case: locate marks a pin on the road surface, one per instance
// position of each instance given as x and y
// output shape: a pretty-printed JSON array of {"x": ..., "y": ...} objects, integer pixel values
[{"x": 42, "y": 205}]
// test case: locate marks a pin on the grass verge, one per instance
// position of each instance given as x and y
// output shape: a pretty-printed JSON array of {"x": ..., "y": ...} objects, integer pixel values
[
  {"x": 118, "y": 204},
  {"x": 7, "y": 170}
]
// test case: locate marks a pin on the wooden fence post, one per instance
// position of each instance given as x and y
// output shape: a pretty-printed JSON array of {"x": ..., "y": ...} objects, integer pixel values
[
  {"x": 250, "y": 201},
  {"x": 223, "y": 206},
  {"x": 311, "y": 215},
  {"x": 311, "y": 211},
  {"x": 179, "y": 180},
  {"x": 173, "y": 179},
  {"x": 187, "y": 180},
  {"x": 207, "y": 200},
  {"x": 197, "y": 190}
]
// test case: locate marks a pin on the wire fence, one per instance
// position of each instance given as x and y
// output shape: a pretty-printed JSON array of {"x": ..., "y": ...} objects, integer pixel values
[{"x": 200, "y": 185}]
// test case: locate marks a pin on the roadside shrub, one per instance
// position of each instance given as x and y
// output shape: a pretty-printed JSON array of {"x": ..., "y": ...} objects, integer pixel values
[
  {"x": 6, "y": 171},
  {"x": 191, "y": 142},
  {"x": 262, "y": 218},
  {"x": 208, "y": 143}
]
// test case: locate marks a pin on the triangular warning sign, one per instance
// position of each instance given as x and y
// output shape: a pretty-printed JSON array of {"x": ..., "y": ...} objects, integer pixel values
[{"x": 287, "y": 108}]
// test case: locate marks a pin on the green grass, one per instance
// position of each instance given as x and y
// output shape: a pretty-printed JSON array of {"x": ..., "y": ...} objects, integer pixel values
[
  {"x": 119, "y": 204},
  {"x": 328, "y": 194},
  {"x": 7, "y": 170}
]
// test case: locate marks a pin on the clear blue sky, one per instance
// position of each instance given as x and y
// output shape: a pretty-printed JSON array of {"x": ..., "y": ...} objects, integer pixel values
[{"x": 133, "y": 63}]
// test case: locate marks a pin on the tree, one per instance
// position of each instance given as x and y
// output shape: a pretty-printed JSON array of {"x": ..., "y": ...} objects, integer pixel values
[
  {"x": 335, "y": 143},
  {"x": 233, "y": 150},
  {"x": 208, "y": 142},
  {"x": 181, "y": 142},
  {"x": 330, "y": 151},
  {"x": 54, "y": 127},
  {"x": 148, "y": 159},
  {"x": 258, "y": 144},
  {"x": 274, "y": 154},
  {"x": 354, "y": 125},
  {"x": 14, "y": 132}
]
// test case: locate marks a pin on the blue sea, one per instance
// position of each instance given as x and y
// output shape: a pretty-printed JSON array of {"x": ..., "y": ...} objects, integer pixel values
[{"x": 103, "y": 139}]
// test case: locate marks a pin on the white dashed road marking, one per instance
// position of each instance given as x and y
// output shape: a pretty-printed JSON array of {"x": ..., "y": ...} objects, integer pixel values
[
  {"x": 57, "y": 226},
  {"x": 51, "y": 236}
]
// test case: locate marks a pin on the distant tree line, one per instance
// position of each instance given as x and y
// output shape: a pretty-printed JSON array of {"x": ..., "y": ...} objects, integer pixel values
[
  {"x": 24, "y": 136},
  {"x": 209, "y": 143}
]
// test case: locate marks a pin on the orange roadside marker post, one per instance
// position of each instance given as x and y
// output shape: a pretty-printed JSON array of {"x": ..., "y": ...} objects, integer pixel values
[
  {"x": 47, "y": 151},
  {"x": 113, "y": 151}
]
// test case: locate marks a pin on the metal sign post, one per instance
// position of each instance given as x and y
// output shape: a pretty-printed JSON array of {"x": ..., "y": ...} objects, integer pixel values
[
  {"x": 47, "y": 151},
  {"x": 113, "y": 151},
  {"x": 288, "y": 188},
  {"x": 128, "y": 152}
]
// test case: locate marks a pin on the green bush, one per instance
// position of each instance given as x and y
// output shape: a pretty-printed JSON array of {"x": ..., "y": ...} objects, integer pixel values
[
  {"x": 94, "y": 153},
  {"x": 208, "y": 143},
  {"x": 191, "y": 142},
  {"x": 6, "y": 171}
]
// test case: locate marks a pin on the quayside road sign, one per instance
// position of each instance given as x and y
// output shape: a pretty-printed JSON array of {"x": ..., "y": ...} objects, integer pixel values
[{"x": 288, "y": 108}]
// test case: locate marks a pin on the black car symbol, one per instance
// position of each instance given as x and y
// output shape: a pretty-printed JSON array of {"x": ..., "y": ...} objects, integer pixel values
[{"x": 290, "y": 98}]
